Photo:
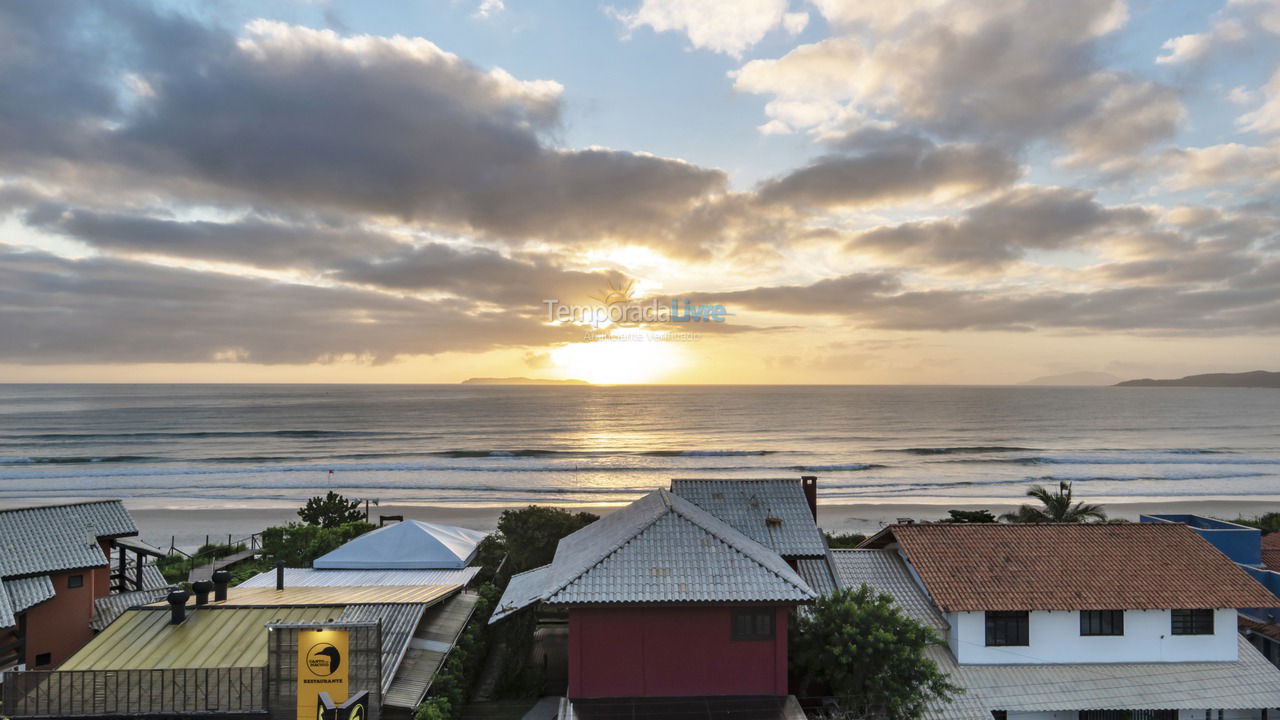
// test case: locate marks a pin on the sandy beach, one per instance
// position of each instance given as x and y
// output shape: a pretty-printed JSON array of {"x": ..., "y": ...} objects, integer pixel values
[{"x": 188, "y": 528}]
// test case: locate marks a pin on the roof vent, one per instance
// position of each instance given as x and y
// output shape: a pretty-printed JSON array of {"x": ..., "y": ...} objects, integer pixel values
[
  {"x": 202, "y": 589},
  {"x": 773, "y": 521},
  {"x": 177, "y": 600}
]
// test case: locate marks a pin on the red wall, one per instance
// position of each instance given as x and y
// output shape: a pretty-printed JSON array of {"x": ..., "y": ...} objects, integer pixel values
[
  {"x": 60, "y": 625},
  {"x": 671, "y": 652}
]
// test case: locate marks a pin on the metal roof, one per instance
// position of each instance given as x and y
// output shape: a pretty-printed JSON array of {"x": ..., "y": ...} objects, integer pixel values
[
  {"x": 407, "y": 545},
  {"x": 302, "y": 596},
  {"x": 398, "y": 624},
  {"x": 209, "y": 637},
  {"x": 772, "y": 512},
  {"x": 1251, "y": 682},
  {"x": 661, "y": 549},
  {"x": 1072, "y": 566},
  {"x": 431, "y": 644},
  {"x": 308, "y": 577},
  {"x": 107, "y": 609},
  {"x": 40, "y": 540}
]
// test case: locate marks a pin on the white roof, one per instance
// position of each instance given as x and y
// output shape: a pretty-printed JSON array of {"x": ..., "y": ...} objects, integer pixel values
[
  {"x": 408, "y": 545},
  {"x": 659, "y": 549},
  {"x": 307, "y": 577}
]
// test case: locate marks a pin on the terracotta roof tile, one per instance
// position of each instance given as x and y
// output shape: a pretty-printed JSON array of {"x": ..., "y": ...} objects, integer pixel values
[
  {"x": 1271, "y": 551},
  {"x": 1122, "y": 566}
]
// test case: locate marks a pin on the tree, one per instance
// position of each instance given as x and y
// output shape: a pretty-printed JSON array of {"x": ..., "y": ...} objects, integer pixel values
[
  {"x": 844, "y": 540},
  {"x": 297, "y": 545},
  {"x": 1055, "y": 507},
  {"x": 871, "y": 657},
  {"x": 970, "y": 516},
  {"x": 331, "y": 511},
  {"x": 528, "y": 537}
]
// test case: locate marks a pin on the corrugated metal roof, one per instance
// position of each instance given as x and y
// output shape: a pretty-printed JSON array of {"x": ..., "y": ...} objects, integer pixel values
[
  {"x": 28, "y": 592},
  {"x": 884, "y": 571},
  {"x": 107, "y": 609},
  {"x": 773, "y": 512},
  {"x": 1251, "y": 682},
  {"x": 660, "y": 549},
  {"x": 47, "y": 539},
  {"x": 209, "y": 637},
  {"x": 407, "y": 545},
  {"x": 523, "y": 590},
  {"x": 431, "y": 643},
  {"x": 398, "y": 624},
  {"x": 301, "y": 596},
  {"x": 1072, "y": 566},
  {"x": 308, "y": 577}
]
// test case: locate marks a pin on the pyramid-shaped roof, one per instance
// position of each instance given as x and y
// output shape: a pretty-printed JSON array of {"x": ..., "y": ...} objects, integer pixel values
[
  {"x": 659, "y": 549},
  {"x": 408, "y": 545}
]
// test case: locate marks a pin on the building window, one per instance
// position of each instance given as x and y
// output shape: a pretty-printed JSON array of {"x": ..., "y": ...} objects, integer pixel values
[
  {"x": 1192, "y": 622},
  {"x": 1101, "y": 622},
  {"x": 1007, "y": 628},
  {"x": 44, "y": 659},
  {"x": 753, "y": 624},
  {"x": 75, "y": 581}
]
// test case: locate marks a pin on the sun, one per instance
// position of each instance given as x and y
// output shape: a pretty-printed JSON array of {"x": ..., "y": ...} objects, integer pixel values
[{"x": 634, "y": 358}]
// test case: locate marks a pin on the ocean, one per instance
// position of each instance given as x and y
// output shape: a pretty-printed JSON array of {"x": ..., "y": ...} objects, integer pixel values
[{"x": 193, "y": 446}]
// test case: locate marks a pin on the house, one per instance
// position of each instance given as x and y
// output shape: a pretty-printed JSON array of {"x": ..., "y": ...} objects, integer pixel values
[
  {"x": 56, "y": 563},
  {"x": 1256, "y": 554},
  {"x": 1075, "y": 621},
  {"x": 666, "y": 600}
]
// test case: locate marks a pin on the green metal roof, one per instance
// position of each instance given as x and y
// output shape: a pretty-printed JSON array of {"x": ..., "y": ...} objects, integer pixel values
[{"x": 210, "y": 637}]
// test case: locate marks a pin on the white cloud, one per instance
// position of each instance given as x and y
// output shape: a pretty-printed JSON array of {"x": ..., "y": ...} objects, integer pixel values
[
  {"x": 1266, "y": 118},
  {"x": 723, "y": 26}
]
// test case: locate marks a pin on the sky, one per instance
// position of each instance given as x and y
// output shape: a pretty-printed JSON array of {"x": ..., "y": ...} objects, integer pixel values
[{"x": 916, "y": 192}]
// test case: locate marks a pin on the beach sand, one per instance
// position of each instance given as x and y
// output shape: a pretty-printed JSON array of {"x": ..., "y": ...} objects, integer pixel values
[{"x": 188, "y": 528}]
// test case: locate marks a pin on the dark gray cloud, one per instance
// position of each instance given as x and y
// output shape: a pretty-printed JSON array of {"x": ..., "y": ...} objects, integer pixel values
[
  {"x": 1001, "y": 230},
  {"x": 106, "y": 310},
  {"x": 906, "y": 170}
]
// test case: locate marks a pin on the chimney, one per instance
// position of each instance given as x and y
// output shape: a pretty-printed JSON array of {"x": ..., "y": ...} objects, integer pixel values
[
  {"x": 202, "y": 588},
  {"x": 221, "y": 579},
  {"x": 810, "y": 485},
  {"x": 178, "y": 604},
  {"x": 280, "y": 575}
]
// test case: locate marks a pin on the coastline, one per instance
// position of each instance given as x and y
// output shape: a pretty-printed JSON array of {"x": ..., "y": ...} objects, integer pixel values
[{"x": 187, "y": 528}]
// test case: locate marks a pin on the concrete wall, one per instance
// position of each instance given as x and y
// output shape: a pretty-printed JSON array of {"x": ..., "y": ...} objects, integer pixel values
[
  {"x": 1055, "y": 638},
  {"x": 671, "y": 652}
]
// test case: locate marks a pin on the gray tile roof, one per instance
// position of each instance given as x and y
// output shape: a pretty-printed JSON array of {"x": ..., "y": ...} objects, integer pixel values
[
  {"x": 107, "y": 609},
  {"x": 48, "y": 539},
  {"x": 7, "y": 620},
  {"x": 1249, "y": 683},
  {"x": 816, "y": 572},
  {"x": 749, "y": 505},
  {"x": 660, "y": 549},
  {"x": 523, "y": 590},
  {"x": 29, "y": 591},
  {"x": 308, "y": 577}
]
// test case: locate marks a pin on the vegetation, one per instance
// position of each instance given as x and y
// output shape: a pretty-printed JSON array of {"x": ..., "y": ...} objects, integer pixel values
[
  {"x": 844, "y": 540},
  {"x": 1267, "y": 523},
  {"x": 176, "y": 567},
  {"x": 871, "y": 657},
  {"x": 969, "y": 516},
  {"x": 331, "y": 511},
  {"x": 1055, "y": 507},
  {"x": 526, "y": 539}
]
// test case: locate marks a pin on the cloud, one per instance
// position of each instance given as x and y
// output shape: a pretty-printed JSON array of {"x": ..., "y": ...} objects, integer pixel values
[
  {"x": 910, "y": 170},
  {"x": 1256, "y": 167},
  {"x": 1266, "y": 118},
  {"x": 1237, "y": 25},
  {"x": 60, "y": 310},
  {"x": 723, "y": 26},
  {"x": 994, "y": 72},
  {"x": 1001, "y": 230}
]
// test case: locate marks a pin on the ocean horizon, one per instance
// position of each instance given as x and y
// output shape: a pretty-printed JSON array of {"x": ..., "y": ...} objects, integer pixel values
[{"x": 270, "y": 445}]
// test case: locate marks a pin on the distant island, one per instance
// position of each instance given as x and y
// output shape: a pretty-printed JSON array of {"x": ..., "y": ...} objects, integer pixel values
[
  {"x": 521, "y": 381},
  {"x": 1255, "y": 379},
  {"x": 1099, "y": 379}
]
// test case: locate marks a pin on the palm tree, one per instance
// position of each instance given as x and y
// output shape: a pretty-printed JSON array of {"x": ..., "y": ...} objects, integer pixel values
[{"x": 1056, "y": 507}]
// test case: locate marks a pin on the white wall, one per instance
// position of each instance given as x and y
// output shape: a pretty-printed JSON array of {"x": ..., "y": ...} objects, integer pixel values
[{"x": 1054, "y": 637}]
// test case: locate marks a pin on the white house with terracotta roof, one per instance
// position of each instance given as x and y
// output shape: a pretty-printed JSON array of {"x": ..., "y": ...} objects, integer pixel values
[{"x": 1076, "y": 622}]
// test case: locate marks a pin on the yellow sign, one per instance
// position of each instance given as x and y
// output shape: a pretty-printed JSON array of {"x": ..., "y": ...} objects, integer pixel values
[{"x": 322, "y": 667}]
